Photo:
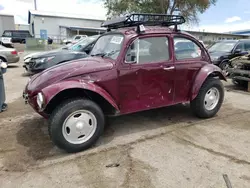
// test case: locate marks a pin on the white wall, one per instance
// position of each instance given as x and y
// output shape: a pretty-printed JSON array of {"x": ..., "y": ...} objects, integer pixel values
[
  {"x": 51, "y": 24},
  {"x": 6, "y": 23},
  {"x": 22, "y": 27}
]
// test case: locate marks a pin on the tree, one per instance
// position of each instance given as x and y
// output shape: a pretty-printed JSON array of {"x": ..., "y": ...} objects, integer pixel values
[{"x": 187, "y": 8}]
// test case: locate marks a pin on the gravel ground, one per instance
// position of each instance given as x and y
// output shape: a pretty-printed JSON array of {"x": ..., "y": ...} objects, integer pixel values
[{"x": 167, "y": 147}]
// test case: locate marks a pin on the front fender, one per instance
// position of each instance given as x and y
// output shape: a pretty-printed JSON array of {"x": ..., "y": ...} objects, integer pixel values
[
  {"x": 205, "y": 71},
  {"x": 51, "y": 91}
]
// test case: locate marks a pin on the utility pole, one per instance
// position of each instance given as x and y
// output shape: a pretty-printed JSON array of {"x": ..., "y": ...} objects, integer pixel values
[{"x": 35, "y": 4}]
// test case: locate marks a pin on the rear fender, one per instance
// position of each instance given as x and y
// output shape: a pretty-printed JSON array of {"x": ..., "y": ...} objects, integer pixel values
[
  {"x": 206, "y": 71},
  {"x": 51, "y": 91}
]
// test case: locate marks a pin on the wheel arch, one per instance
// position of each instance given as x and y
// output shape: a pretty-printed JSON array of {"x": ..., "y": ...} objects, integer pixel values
[
  {"x": 3, "y": 57},
  {"x": 54, "y": 96},
  {"x": 205, "y": 72}
]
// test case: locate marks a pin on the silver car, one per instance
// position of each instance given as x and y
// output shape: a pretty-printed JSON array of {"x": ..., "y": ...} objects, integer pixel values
[{"x": 8, "y": 55}]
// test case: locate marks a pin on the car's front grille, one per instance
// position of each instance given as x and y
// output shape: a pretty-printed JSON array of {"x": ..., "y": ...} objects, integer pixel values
[{"x": 32, "y": 64}]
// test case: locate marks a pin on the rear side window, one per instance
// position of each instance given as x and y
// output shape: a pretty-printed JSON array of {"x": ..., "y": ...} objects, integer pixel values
[
  {"x": 186, "y": 49},
  {"x": 148, "y": 50},
  {"x": 240, "y": 46},
  {"x": 247, "y": 46}
]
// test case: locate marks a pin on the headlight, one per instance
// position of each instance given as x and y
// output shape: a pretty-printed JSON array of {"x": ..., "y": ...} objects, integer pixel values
[
  {"x": 45, "y": 59},
  {"x": 40, "y": 100},
  {"x": 27, "y": 60},
  {"x": 214, "y": 58}
]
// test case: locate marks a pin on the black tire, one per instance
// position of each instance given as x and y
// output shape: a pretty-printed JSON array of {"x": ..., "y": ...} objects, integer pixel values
[
  {"x": 198, "y": 106},
  {"x": 224, "y": 65},
  {"x": 59, "y": 115},
  {"x": 240, "y": 83}
]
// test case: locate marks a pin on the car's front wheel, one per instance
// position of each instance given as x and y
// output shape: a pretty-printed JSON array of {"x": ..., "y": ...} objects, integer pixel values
[
  {"x": 209, "y": 99},
  {"x": 224, "y": 67},
  {"x": 76, "y": 125}
]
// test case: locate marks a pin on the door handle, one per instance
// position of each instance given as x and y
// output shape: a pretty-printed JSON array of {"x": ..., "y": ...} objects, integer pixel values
[{"x": 169, "y": 68}]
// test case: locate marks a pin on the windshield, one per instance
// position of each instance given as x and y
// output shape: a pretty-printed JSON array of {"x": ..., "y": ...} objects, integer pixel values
[
  {"x": 7, "y": 34},
  {"x": 77, "y": 37},
  {"x": 82, "y": 43},
  {"x": 108, "y": 46},
  {"x": 222, "y": 46}
]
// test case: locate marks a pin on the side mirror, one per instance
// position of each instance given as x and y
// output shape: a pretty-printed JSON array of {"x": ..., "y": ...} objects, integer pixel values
[{"x": 131, "y": 58}]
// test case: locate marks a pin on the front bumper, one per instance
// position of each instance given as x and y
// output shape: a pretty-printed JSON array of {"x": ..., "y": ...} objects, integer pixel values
[
  {"x": 32, "y": 68},
  {"x": 216, "y": 62}
]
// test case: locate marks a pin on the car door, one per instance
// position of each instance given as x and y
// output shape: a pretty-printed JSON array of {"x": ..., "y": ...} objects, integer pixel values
[
  {"x": 238, "y": 50},
  {"x": 247, "y": 46},
  {"x": 189, "y": 58},
  {"x": 146, "y": 78}
]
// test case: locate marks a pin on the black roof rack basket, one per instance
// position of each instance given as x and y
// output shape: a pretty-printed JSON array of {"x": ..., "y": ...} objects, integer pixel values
[{"x": 145, "y": 19}]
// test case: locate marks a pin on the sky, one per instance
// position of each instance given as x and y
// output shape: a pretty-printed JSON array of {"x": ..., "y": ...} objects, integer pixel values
[{"x": 225, "y": 16}]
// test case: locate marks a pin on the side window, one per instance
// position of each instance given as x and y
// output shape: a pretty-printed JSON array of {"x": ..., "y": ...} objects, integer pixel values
[
  {"x": 186, "y": 49},
  {"x": 148, "y": 50},
  {"x": 240, "y": 46},
  {"x": 247, "y": 46}
]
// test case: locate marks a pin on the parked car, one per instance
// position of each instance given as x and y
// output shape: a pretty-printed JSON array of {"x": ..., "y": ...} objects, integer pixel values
[
  {"x": 239, "y": 70},
  {"x": 14, "y": 36},
  {"x": 133, "y": 68},
  {"x": 40, "y": 61},
  {"x": 221, "y": 52},
  {"x": 8, "y": 55},
  {"x": 75, "y": 39}
]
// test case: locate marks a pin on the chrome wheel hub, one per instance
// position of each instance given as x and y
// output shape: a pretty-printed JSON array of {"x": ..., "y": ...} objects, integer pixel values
[
  {"x": 79, "y": 126},
  {"x": 211, "y": 98},
  {"x": 225, "y": 71}
]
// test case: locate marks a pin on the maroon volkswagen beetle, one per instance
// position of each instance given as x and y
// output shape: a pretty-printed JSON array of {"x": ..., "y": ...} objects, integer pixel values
[{"x": 140, "y": 63}]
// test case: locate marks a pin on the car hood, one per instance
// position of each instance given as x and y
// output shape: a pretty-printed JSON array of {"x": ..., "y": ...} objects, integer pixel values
[
  {"x": 67, "y": 70},
  {"x": 47, "y": 54},
  {"x": 215, "y": 54},
  {"x": 31, "y": 55},
  {"x": 56, "y": 53}
]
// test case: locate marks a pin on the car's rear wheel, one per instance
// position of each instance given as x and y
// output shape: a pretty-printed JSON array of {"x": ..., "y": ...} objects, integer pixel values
[
  {"x": 76, "y": 125},
  {"x": 209, "y": 99}
]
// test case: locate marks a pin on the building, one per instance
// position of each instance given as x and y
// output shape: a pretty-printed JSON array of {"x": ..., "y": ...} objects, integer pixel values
[
  {"x": 242, "y": 32},
  {"x": 60, "y": 26},
  {"x": 6, "y": 23},
  {"x": 22, "y": 27},
  {"x": 210, "y": 37}
]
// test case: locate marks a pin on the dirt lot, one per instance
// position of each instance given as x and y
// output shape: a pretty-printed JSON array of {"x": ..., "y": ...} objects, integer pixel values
[{"x": 166, "y": 147}]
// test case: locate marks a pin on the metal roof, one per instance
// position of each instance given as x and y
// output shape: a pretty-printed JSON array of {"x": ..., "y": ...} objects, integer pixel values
[
  {"x": 3, "y": 14},
  {"x": 83, "y": 28},
  {"x": 62, "y": 15},
  {"x": 214, "y": 33}
]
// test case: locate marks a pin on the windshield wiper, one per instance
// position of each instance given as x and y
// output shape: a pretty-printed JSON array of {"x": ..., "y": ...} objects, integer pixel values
[
  {"x": 111, "y": 53},
  {"x": 103, "y": 54},
  {"x": 99, "y": 54}
]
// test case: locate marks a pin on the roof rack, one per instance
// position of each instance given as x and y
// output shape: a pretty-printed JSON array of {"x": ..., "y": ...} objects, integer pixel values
[{"x": 145, "y": 19}]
